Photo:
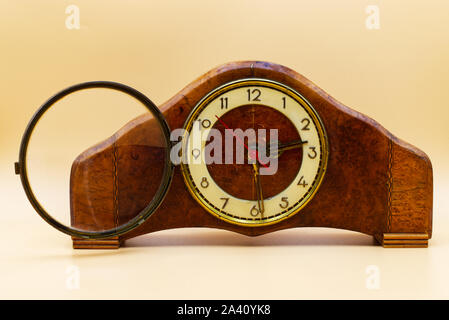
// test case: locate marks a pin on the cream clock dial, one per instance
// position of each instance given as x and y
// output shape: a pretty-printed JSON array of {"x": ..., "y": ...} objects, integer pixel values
[{"x": 243, "y": 193}]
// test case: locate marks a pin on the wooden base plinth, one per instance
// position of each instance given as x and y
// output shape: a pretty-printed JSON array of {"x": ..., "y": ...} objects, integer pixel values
[
  {"x": 387, "y": 240},
  {"x": 112, "y": 243},
  {"x": 403, "y": 240}
]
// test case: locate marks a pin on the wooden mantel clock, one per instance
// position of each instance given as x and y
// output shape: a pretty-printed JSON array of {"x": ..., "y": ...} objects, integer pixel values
[{"x": 336, "y": 168}]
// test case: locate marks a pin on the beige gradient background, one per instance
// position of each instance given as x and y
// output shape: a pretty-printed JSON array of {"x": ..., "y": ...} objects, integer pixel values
[{"x": 398, "y": 75}]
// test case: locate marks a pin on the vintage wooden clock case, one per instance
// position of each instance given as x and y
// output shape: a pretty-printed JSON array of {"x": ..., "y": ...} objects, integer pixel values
[{"x": 365, "y": 179}]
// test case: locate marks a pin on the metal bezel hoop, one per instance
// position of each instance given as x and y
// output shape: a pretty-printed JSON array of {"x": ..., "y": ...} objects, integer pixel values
[{"x": 21, "y": 167}]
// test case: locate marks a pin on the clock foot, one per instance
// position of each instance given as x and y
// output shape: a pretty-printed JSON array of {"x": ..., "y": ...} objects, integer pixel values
[
  {"x": 111, "y": 243},
  {"x": 403, "y": 240}
]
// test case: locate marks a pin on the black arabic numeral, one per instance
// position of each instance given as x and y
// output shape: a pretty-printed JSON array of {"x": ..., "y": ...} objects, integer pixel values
[
  {"x": 255, "y": 92},
  {"x": 314, "y": 154},
  {"x": 224, "y": 102},
  {"x": 306, "y": 125}
]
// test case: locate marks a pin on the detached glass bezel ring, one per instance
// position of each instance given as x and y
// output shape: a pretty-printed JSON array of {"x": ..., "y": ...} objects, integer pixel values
[{"x": 21, "y": 168}]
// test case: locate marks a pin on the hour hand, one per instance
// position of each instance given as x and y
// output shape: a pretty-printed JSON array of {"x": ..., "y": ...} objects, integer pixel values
[{"x": 288, "y": 146}]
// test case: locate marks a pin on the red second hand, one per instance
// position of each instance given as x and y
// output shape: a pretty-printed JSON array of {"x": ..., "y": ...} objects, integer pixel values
[{"x": 252, "y": 152}]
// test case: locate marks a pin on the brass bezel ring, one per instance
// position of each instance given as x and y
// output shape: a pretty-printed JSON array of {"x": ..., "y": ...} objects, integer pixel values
[
  {"x": 21, "y": 167},
  {"x": 275, "y": 85}
]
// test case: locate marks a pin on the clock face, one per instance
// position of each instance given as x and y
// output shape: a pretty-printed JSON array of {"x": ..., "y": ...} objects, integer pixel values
[{"x": 283, "y": 162}]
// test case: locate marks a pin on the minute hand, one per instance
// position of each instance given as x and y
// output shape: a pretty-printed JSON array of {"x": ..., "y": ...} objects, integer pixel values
[{"x": 258, "y": 188}]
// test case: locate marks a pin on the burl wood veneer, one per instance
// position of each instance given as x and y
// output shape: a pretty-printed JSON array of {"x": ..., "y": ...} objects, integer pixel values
[{"x": 375, "y": 183}]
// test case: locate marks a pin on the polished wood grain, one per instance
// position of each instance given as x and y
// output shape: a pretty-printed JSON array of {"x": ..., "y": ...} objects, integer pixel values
[{"x": 375, "y": 183}]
